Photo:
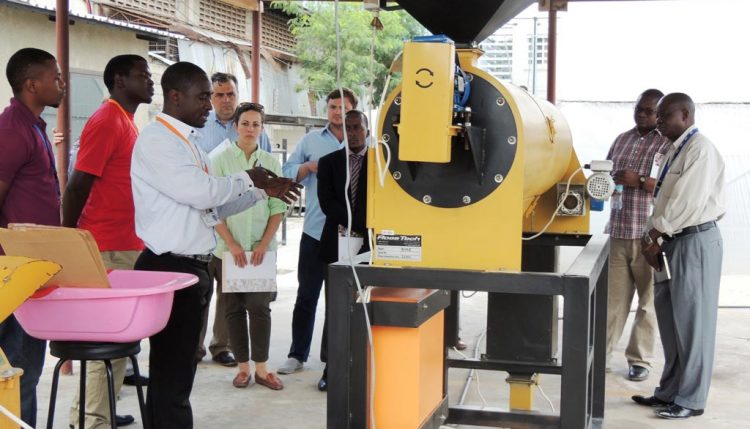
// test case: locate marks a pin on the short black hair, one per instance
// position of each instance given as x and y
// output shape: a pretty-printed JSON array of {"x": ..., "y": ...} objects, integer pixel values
[
  {"x": 179, "y": 76},
  {"x": 119, "y": 65},
  {"x": 348, "y": 93},
  {"x": 360, "y": 114},
  {"x": 652, "y": 93},
  {"x": 246, "y": 107},
  {"x": 24, "y": 65},
  {"x": 223, "y": 78},
  {"x": 679, "y": 99}
]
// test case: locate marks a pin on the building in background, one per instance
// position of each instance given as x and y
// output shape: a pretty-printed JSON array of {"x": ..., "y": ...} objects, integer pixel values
[
  {"x": 517, "y": 53},
  {"x": 210, "y": 33}
]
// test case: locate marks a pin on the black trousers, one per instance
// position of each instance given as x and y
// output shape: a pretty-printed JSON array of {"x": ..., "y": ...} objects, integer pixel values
[{"x": 172, "y": 361}]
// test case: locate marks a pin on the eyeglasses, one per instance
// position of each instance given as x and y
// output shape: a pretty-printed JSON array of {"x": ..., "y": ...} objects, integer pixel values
[{"x": 251, "y": 106}]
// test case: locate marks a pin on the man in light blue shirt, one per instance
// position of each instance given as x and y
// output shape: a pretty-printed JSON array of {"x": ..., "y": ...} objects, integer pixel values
[
  {"x": 219, "y": 127},
  {"x": 302, "y": 167}
]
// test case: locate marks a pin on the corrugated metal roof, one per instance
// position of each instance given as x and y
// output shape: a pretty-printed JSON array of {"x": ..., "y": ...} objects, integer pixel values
[{"x": 97, "y": 19}]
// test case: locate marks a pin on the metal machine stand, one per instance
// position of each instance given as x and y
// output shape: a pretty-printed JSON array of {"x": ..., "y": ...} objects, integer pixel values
[{"x": 582, "y": 366}]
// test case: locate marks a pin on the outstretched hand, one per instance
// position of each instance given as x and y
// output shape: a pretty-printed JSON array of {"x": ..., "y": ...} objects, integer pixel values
[{"x": 282, "y": 188}]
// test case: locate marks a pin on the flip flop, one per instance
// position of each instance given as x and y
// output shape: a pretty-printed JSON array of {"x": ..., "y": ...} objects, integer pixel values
[
  {"x": 241, "y": 380},
  {"x": 271, "y": 381}
]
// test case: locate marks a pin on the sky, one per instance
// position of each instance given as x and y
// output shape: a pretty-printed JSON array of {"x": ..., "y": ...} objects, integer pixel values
[{"x": 611, "y": 50}]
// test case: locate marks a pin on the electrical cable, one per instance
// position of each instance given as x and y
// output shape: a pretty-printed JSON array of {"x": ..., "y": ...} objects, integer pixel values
[
  {"x": 557, "y": 209},
  {"x": 13, "y": 418},
  {"x": 363, "y": 296},
  {"x": 546, "y": 397},
  {"x": 471, "y": 375}
]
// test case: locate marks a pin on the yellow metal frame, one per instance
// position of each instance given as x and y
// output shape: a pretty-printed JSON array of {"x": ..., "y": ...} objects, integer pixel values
[{"x": 19, "y": 278}]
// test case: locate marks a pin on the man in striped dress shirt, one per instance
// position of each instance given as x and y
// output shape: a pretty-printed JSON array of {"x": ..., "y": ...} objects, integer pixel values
[{"x": 633, "y": 154}]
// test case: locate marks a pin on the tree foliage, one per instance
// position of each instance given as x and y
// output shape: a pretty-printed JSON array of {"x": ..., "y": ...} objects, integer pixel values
[{"x": 314, "y": 28}]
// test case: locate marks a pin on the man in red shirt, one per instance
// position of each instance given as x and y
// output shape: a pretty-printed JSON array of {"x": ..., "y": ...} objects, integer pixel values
[
  {"x": 99, "y": 198},
  {"x": 29, "y": 190}
]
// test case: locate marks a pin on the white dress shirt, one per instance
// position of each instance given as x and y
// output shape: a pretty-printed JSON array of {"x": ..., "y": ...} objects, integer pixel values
[
  {"x": 172, "y": 190},
  {"x": 692, "y": 192}
]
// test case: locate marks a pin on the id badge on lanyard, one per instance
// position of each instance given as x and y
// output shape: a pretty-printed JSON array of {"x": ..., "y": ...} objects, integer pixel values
[{"x": 210, "y": 217}]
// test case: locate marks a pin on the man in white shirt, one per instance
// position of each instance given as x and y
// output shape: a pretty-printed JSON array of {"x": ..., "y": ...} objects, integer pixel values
[
  {"x": 688, "y": 200},
  {"x": 177, "y": 204}
]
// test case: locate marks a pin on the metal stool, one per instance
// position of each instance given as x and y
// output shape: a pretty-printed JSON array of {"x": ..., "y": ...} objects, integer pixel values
[{"x": 86, "y": 351}]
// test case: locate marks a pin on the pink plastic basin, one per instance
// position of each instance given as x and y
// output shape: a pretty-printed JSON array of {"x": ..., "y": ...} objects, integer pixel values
[{"x": 137, "y": 306}]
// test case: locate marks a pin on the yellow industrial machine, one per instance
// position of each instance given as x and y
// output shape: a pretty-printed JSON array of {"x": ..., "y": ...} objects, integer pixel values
[
  {"x": 478, "y": 169},
  {"x": 19, "y": 278},
  {"x": 507, "y": 153}
]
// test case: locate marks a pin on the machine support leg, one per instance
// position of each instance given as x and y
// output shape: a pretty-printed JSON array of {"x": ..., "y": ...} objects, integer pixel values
[
  {"x": 600, "y": 339},
  {"x": 575, "y": 380},
  {"x": 522, "y": 390}
]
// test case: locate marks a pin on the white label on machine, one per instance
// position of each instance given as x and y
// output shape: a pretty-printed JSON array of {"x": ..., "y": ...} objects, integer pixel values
[{"x": 399, "y": 247}]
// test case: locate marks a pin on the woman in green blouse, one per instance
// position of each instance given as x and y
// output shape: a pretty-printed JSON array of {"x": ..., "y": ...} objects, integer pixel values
[{"x": 248, "y": 238}]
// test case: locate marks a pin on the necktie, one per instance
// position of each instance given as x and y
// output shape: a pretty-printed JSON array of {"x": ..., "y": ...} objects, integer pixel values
[{"x": 355, "y": 166}]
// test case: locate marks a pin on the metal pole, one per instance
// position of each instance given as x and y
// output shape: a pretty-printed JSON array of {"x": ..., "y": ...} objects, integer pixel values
[
  {"x": 63, "y": 112},
  {"x": 533, "y": 60},
  {"x": 283, "y": 222},
  {"x": 551, "y": 54},
  {"x": 255, "y": 78}
]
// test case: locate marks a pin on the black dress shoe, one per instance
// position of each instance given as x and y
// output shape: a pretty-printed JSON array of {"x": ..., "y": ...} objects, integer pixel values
[
  {"x": 637, "y": 373},
  {"x": 323, "y": 383},
  {"x": 651, "y": 401},
  {"x": 124, "y": 420},
  {"x": 460, "y": 345},
  {"x": 676, "y": 412},
  {"x": 225, "y": 358},
  {"x": 129, "y": 380}
]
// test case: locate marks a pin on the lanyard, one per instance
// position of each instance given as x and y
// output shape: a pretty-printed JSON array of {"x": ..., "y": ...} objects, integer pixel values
[
  {"x": 671, "y": 160},
  {"x": 48, "y": 148},
  {"x": 190, "y": 146},
  {"x": 124, "y": 113}
]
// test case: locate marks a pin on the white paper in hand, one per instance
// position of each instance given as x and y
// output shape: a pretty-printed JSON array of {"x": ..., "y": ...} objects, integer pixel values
[
  {"x": 224, "y": 145},
  {"x": 250, "y": 278},
  {"x": 355, "y": 243}
]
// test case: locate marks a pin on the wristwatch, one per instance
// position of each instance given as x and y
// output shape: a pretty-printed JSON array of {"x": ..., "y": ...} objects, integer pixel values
[{"x": 642, "y": 180}]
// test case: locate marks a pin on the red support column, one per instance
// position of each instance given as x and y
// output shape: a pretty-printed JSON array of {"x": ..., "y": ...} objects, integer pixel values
[
  {"x": 255, "y": 73},
  {"x": 552, "y": 55},
  {"x": 63, "y": 112}
]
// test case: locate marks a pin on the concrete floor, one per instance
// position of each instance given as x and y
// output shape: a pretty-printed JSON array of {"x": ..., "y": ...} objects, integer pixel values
[{"x": 216, "y": 404}]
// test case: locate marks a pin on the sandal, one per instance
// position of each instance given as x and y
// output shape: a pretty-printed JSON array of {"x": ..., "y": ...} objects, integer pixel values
[
  {"x": 271, "y": 381},
  {"x": 241, "y": 380}
]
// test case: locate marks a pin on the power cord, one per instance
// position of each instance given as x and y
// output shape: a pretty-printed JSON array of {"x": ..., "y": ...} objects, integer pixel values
[
  {"x": 557, "y": 209},
  {"x": 363, "y": 297}
]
